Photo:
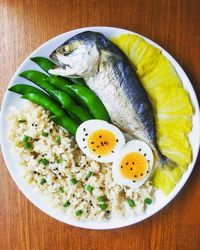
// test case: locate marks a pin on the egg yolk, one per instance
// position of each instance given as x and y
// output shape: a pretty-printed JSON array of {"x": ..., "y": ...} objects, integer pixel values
[
  {"x": 102, "y": 142},
  {"x": 134, "y": 166}
]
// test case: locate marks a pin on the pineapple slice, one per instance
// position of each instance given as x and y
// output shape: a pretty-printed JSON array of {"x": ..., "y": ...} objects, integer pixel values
[
  {"x": 173, "y": 122},
  {"x": 172, "y": 101},
  {"x": 167, "y": 178},
  {"x": 143, "y": 55},
  {"x": 171, "y": 104}
]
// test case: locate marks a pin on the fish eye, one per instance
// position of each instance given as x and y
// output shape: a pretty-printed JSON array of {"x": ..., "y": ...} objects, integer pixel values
[{"x": 67, "y": 48}]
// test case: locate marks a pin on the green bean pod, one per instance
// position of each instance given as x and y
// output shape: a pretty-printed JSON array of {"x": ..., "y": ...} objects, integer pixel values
[
  {"x": 45, "y": 101},
  {"x": 92, "y": 101},
  {"x": 47, "y": 64},
  {"x": 38, "y": 78},
  {"x": 78, "y": 81},
  {"x": 44, "y": 63},
  {"x": 58, "y": 83},
  {"x": 70, "y": 106},
  {"x": 24, "y": 89},
  {"x": 85, "y": 96}
]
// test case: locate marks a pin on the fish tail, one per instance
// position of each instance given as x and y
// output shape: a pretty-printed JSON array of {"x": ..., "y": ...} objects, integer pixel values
[{"x": 167, "y": 163}]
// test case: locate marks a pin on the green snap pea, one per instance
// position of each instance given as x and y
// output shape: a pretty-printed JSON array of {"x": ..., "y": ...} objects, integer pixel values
[
  {"x": 65, "y": 102},
  {"x": 24, "y": 89},
  {"x": 70, "y": 106},
  {"x": 47, "y": 64},
  {"x": 92, "y": 101},
  {"x": 60, "y": 116},
  {"x": 39, "y": 79},
  {"x": 85, "y": 96},
  {"x": 43, "y": 62},
  {"x": 59, "y": 84},
  {"x": 63, "y": 98},
  {"x": 78, "y": 81}
]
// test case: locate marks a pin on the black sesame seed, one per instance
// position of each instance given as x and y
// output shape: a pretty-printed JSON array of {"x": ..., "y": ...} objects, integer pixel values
[
  {"x": 141, "y": 174},
  {"x": 73, "y": 195},
  {"x": 84, "y": 129},
  {"x": 126, "y": 163},
  {"x": 101, "y": 143},
  {"x": 140, "y": 149},
  {"x": 113, "y": 152},
  {"x": 82, "y": 199},
  {"x": 148, "y": 160},
  {"x": 83, "y": 139},
  {"x": 99, "y": 156},
  {"x": 147, "y": 171},
  {"x": 86, "y": 134},
  {"x": 133, "y": 181},
  {"x": 85, "y": 147},
  {"x": 121, "y": 166},
  {"x": 135, "y": 176},
  {"x": 97, "y": 146},
  {"x": 133, "y": 162},
  {"x": 94, "y": 150},
  {"x": 92, "y": 142},
  {"x": 131, "y": 169},
  {"x": 100, "y": 136},
  {"x": 117, "y": 140},
  {"x": 145, "y": 154}
]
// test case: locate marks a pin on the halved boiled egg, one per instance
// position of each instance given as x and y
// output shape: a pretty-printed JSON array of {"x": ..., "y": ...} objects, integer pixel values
[
  {"x": 133, "y": 165},
  {"x": 99, "y": 140}
]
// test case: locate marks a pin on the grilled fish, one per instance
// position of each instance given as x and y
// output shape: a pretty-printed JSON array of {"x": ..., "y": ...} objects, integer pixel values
[{"x": 110, "y": 74}]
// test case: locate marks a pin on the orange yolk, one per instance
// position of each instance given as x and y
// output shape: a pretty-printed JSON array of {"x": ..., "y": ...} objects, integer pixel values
[
  {"x": 134, "y": 166},
  {"x": 102, "y": 142}
]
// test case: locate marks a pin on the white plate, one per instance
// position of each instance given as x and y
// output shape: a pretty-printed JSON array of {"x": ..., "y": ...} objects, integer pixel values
[{"x": 40, "y": 200}]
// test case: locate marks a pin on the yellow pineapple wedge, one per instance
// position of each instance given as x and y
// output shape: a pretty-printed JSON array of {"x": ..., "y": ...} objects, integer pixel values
[{"x": 171, "y": 104}]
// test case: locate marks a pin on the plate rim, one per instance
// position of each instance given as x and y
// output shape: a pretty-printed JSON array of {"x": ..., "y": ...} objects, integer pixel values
[{"x": 178, "y": 187}]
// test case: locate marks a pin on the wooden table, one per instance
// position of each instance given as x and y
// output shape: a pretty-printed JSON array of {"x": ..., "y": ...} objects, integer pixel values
[{"x": 24, "y": 25}]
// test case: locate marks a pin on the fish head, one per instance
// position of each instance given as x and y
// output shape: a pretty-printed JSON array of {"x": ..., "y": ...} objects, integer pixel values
[{"x": 77, "y": 57}]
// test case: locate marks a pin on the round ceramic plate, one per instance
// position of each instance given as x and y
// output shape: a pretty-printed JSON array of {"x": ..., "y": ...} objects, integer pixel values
[{"x": 41, "y": 201}]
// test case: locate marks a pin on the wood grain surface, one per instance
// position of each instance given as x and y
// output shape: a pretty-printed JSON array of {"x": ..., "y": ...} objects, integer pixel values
[{"x": 24, "y": 25}]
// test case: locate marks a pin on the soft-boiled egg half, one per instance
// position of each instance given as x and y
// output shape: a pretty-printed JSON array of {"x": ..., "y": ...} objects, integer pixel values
[
  {"x": 133, "y": 164},
  {"x": 99, "y": 140}
]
